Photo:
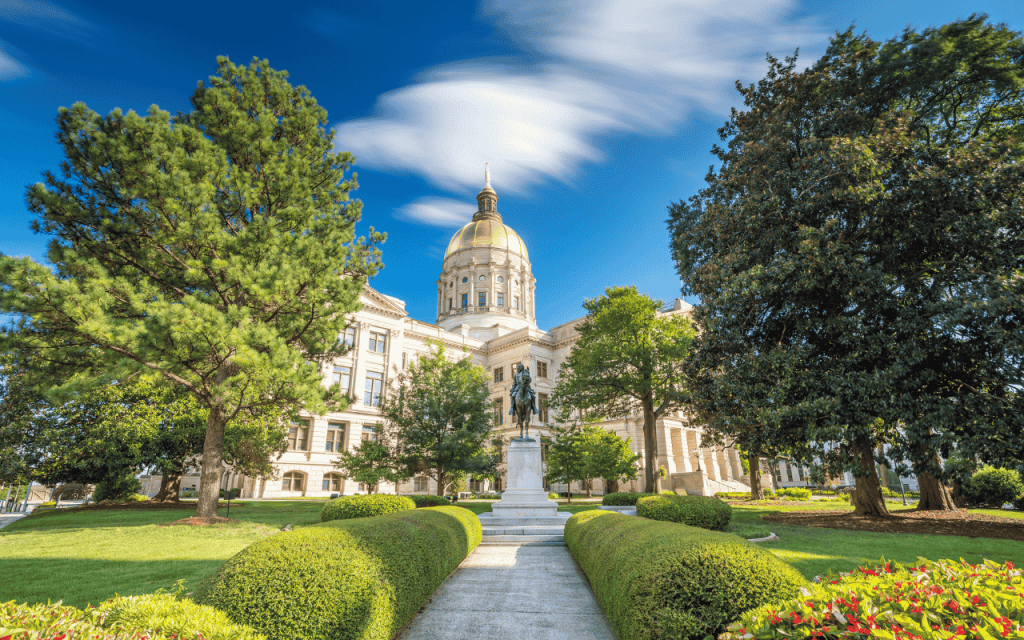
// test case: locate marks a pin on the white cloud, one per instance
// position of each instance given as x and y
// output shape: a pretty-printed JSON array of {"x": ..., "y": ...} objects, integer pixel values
[
  {"x": 610, "y": 65},
  {"x": 438, "y": 212},
  {"x": 10, "y": 68},
  {"x": 40, "y": 15}
]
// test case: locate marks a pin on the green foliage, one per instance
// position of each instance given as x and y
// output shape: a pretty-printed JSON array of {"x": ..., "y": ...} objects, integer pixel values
[
  {"x": 994, "y": 487},
  {"x": 372, "y": 461},
  {"x": 430, "y": 501},
  {"x": 749, "y": 532},
  {"x": 623, "y": 499},
  {"x": 799, "y": 493},
  {"x": 943, "y": 599},
  {"x": 118, "y": 487},
  {"x": 348, "y": 579},
  {"x": 348, "y": 507},
  {"x": 742, "y": 495},
  {"x": 439, "y": 419},
  {"x": 665, "y": 580},
  {"x": 637, "y": 354},
  {"x": 836, "y": 315},
  {"x": 231, "y": 221},
  {"x": 58, "y": 621},
  {"x": 695, "y": 511},
  {"x": 175, "y": 617}
]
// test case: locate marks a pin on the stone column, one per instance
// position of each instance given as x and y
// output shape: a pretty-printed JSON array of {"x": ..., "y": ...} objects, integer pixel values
[{"x": 524, "y": 495}]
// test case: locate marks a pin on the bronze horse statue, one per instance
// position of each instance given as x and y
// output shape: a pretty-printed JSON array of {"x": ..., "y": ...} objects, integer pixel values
[{"x": 523, "y": 405}]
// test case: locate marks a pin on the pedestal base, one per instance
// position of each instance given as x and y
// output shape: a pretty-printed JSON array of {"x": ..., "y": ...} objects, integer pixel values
[{"x": 524, "y": 508}]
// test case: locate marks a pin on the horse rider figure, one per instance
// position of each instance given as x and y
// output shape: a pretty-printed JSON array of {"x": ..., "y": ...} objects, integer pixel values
[{"x": 522, "y": 377}]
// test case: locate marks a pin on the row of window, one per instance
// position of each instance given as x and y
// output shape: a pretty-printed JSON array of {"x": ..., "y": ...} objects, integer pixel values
[
  {"x": 296, "y": 480},
  {"x": 482, "y": 278},
  {"x": 499, "y": 372},
  {"x": 542, "y": 408},
  {"x": 298, "y": 436},
  {"x": 499, "y": 301},
  {"x": 377, "y": 344}
]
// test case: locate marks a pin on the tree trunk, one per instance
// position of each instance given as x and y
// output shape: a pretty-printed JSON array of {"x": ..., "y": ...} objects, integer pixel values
[
  {"x": 440, "y": 483},
  {"x": 867, "y": 494},
  {"x": 882, "y": 471},
  {"x": 652, "y": 479},
  {"x": 756, "y": 490},
  {"x": 213, "y": 457},
  {"x": 611, "y": 486},
  {"x": 590, "y": 488},
  {"x": 170, "y": 488},
  {"x": 935, "y": 496}
]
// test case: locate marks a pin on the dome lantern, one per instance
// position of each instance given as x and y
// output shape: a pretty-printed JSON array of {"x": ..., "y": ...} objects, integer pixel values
[{"x": 487, "y": 200}]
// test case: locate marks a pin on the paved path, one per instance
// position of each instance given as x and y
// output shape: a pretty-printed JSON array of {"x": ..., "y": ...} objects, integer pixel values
[
  {"x": 8, "y": 518},
  {"x": 513, "y": 593}
]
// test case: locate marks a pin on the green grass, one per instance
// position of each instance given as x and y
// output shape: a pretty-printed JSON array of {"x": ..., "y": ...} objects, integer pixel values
[
  {"x": 813, "y": 551},
  {"x": 84, "y": 557}
]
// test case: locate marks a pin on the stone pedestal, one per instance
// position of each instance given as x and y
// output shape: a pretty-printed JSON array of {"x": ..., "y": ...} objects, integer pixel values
[{"x": 525, "y": 496}]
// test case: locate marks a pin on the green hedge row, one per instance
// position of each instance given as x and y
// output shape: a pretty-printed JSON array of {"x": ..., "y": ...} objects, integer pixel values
[
  {"x": 625, "y": 499},
  {"x": 349, "y": 507},
  {"x": 363, "y": 578},
  {"x": 696, "y": 511},
  {"x": 430, "y": 501},
  {"x": 660, "y": 580}
]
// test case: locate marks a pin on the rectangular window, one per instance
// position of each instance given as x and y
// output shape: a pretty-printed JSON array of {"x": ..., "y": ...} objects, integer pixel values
[
  {"x": 405, "y": 358},
  {"x": 515, "y": 302},
  {"x": 501, "y": 300},
  {"x": 789, "y": 472},
  {"x": 419, "y": 483},
  {"x": 798, "y": 477},
  {"x": 343, "y": 378},
  {"x": 349, "y": 337},
  {"x": 483, "y": 299},
  {"x": 499, "y": 374},
  {"x": 332, "y": 482},
  {"x": 374, "y": 383},
  {"x": 542, "y": 369},
  {"x": 369, "y": 433},
  {"x": 335, "y": 437},
  {"x": 449, "y": 304},
  {"x": 476, "y": 486},
  {"x": 377, "y": 341},
  {"x": 298, "y": 436},
  {"x": 499, "y": 410},
  {"x": 465, "y": 300},
  {"x": 542, "y": 406}
]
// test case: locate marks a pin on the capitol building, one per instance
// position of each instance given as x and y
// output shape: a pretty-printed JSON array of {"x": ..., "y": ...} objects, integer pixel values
[{"x": 485, "y": 307}]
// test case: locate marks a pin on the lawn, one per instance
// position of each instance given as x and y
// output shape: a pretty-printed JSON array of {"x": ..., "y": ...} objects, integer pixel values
[{"x": 87, "y": 557}]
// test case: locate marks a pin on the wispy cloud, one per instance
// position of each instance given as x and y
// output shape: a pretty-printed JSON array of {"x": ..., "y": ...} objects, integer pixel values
[
  {"x": 10, "y": 68},
  {"x": 47, "y": 17},
  {"x": 607, "y": 65},
  {"x": 438, "y": 212}
]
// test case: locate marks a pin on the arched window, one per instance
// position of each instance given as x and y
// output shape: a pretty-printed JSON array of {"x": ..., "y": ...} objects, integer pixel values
[
  {"x": 332, "y": 482},
  {"x": 293, "y": 481}
]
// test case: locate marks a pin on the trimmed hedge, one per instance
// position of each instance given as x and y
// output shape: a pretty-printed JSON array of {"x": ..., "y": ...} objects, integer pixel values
[
  {"x": 696, "y": 511},
  {"x": 346, "y": 508},
  {"x": 625, "y": 499},
  {"x": 363, "y": 578},
  {"x": 164, "y": 613},
  {"x": 430, "y": 501},
  {"x": 660, "y": 580},
  {"x": 800, "y": 493}
]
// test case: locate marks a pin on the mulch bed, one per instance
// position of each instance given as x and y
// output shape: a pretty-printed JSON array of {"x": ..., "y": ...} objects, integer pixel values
[
  {"x": 196, "y": 521},
  {"x": 942, "y": 523}
]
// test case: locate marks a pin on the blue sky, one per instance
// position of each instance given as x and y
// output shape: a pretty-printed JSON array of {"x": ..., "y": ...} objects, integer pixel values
[{"x": 594, "y": 115}]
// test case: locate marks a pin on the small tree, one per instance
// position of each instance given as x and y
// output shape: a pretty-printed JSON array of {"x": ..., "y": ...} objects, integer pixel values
[
  {"x": 611, "y": 458},
  {"x": 439, "y": 416},
  {"x": 567, "y": 459},
  {"x": 628, "y": 360},
  {"x": 371, "y": 462},
  {"x": 214, "y": 248}
]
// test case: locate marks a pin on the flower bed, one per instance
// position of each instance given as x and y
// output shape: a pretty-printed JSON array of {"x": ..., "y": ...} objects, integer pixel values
[{"x": 929, "y": 600}]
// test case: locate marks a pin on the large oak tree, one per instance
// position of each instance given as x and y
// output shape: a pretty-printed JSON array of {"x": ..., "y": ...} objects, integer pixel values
[
  {"x": 859, "y": 255},
  {"x": 216, "y": 248}
]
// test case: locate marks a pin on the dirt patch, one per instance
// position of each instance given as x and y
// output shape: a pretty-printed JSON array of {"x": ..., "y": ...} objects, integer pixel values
[
  {"x": 196, "y": 521},
  {"x": 942, "y": 523}
]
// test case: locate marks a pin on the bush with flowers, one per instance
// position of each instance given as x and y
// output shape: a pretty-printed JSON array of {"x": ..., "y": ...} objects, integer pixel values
[{"x": 944, "y": 600}]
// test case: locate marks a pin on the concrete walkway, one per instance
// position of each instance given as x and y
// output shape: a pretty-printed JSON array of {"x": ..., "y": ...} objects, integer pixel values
[
  {"x": 8, "y": 518},
  {"x": 513, "y": 593}
]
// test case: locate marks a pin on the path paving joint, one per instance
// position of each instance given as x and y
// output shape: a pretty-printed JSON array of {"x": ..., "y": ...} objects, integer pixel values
[{"x": 513, "y": 592}]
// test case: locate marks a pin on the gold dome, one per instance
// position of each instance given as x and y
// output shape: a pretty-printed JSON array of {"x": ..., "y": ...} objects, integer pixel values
[{"x": 487, "y": 231}]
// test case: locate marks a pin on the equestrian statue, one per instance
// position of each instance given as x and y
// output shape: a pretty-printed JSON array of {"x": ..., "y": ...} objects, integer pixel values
[{"x": 524, "y": 400}]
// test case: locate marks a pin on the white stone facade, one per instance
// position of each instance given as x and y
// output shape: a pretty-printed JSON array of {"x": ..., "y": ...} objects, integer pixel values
[{"x": 485, "y": 307}]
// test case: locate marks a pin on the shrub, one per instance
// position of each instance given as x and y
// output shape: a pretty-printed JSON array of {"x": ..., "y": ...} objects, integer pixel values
[
  {"x": 696, "y": 511},
  {"x": 659, "y": 580},
  {"x": 490, "y": 496},
  {"x": 942, "y": 599},
  {"x": 992, "y": 486},
  {"x": 117, "y": 487},
  {"x": 626, "y": 499},
  {"x": 362, "y": 578},
  {"x": 364, "y": 506},
  {"x": 57, "y": 621},
  {"x": 52, "y": 503},
  {"x": 235, "y": 492},
  {"x": 181, "y": 618},
  {"x": 1018, "y": 504},
  {"x": 666, "y": 493},
  {"x": 553, "y": 496},
  {"x": 799, "y": 493},
  {"x": 430, "y": 501}
]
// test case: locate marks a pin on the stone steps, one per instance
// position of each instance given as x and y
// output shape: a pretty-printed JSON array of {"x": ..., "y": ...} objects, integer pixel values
[
  {"x": 524, "y": 530},
  {"x": 488, "y": 520},
  {"x": 530, "y": 540}
]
